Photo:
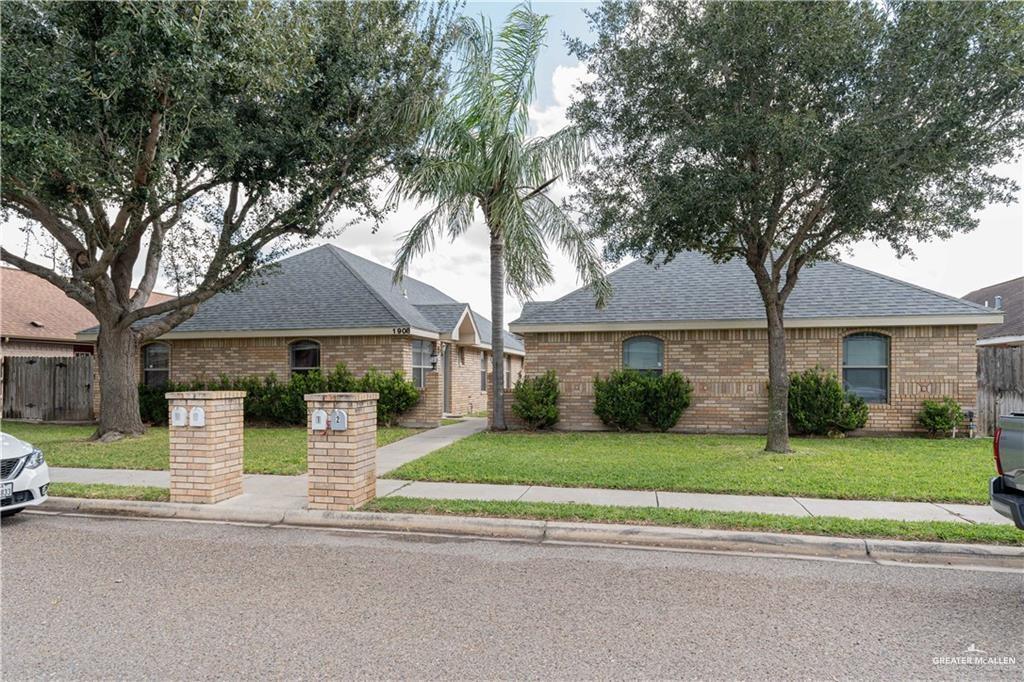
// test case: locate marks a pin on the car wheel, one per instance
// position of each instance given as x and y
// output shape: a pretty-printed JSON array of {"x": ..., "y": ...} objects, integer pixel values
[{"x": 10, "y": 512}]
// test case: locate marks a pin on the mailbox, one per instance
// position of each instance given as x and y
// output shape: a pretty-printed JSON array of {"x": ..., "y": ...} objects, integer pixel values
[
  {"x": 179, "y": 416},
  {"x": 339, "y": 420},
  {"x": 319, "y": 420},
  {"x": 197, "y": 417}
]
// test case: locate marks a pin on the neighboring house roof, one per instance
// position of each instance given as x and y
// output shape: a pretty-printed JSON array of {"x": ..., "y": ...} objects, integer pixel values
[
  {"x": 326, "y": 290},
  {"x": 32, "y": 308},
  {"x": 692, "y": 291},
  {"x": 1012, "y": 294}
]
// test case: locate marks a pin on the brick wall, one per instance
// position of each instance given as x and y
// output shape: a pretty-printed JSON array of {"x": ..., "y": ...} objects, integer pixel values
[
  {"x": 729, "y": 371},
  {"x": 208, "y": 358},
  {"x": 465, "y": 389},
  {"x": 427, "y": 412}
]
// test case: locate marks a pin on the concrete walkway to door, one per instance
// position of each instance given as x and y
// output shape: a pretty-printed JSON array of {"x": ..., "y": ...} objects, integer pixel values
[{"x": 390, "y": 457}]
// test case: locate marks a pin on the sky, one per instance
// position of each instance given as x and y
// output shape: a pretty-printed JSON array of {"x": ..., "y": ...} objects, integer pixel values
[{"x": 990, "y": 254}]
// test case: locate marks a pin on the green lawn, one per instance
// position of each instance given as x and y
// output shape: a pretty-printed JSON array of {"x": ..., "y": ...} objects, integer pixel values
[
  {"x": 267, "y": 450},
  {"x": 105, "y": 491},
  {"x": 850, "y": 468},
  {"x": 933, "y": 531}
]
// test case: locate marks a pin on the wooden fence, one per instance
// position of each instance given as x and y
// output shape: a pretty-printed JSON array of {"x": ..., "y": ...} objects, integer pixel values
[
  {"x": 1000, "y": 384},
  {"x": 47, "y": 388}
]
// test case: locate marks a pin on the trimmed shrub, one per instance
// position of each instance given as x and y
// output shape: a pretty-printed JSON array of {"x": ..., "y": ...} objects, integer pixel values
[
  {"x": 940, "y": 417},
  {"x": 627, "y": 399},
  {"x": 667, "y": 397},
  {"x": 819, "y": 406},
  {"x": 535, "y": 400},
  {"x": 397, "y": 394},
  {"x": 619, "y": 399},
  {"x": 269, "y": 400}
]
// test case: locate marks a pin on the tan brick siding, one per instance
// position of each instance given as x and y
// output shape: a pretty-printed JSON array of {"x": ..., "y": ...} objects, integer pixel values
[
  {"x": 729, "y": 371},
  {"x": 466, "y": 396},
  {"x": 209, "y": 358}
]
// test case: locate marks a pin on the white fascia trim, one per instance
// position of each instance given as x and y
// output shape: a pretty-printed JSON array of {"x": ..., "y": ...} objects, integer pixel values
[
  {"x": 867, "y": 321},
  {"x": 454, "y": 335},
  {"x": 1002, "y": 340},
  {"x": 277, "y": 333}
]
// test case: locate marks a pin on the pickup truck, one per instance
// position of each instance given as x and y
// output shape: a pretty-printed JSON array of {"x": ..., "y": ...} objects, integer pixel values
[{"x": 1006, "y": 491}]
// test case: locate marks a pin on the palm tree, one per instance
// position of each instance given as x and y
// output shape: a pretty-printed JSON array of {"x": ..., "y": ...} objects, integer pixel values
[{"x": 477, "y": 155}]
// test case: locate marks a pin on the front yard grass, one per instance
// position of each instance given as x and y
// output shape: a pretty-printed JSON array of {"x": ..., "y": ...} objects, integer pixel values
[
  {"x": 909, "y": 469},
  {"x": 105, "y": 491},
  {"x": 932, "y": 531},
  {"x": 279, "y": 450}
]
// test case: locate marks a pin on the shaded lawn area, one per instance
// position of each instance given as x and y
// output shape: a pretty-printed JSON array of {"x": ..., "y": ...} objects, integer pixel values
[
  {"x": 932, "y": 531},
  {"x": 848, "y": 468},
  {"x": 267, "y": 450}
]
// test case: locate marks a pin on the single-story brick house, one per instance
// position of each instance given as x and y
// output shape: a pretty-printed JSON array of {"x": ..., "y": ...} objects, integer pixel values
[
  {"x": 326, "y": 306},
  {"x": 893, "y": 343}
]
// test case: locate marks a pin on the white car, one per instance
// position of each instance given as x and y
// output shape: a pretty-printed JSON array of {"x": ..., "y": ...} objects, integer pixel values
[{"x": 24, "y": 476}]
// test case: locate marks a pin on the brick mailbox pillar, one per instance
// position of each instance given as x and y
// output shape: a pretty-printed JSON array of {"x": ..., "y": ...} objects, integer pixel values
[
  {"x": 341, "y": 446},
  {"x": 206, "y": 445}
]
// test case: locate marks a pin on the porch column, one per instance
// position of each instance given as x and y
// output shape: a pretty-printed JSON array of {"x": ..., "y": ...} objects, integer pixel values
[{"x": 341, "y": 438}]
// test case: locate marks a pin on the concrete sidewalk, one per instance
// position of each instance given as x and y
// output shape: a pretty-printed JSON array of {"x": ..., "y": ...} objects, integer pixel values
[{"x": 289, "y": 493}]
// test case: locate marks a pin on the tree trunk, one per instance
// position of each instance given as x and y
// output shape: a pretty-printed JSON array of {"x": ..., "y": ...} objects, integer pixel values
[
  {"x": 778, "y": 381},
  {"x": 118, "y": 356},
  {"x": 497, "y": 333}
]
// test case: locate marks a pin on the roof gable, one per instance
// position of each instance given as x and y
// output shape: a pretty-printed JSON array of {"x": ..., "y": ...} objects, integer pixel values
[{"x": 693, "y": 288}]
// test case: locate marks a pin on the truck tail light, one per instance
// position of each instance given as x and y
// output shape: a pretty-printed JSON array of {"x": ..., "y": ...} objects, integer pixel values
[{"x": 995, "y": 450}]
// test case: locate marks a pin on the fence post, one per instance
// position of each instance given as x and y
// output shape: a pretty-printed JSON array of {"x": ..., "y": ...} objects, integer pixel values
[
  {"x": 205, "y": 430},
  {"x": 341, "y": 447}
]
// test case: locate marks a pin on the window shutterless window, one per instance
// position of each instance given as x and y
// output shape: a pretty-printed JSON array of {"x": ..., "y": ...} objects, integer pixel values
[
  {"x": 421, "y": 352},
  {"x": 508, "y": 371},
  {"x": 643, "y": 354},
  {"x": 303, "y": 356},
  {"x": 483, "y": 372},
  {"x": 156, "y": 364},
  {"x": 866, "y": 366}
]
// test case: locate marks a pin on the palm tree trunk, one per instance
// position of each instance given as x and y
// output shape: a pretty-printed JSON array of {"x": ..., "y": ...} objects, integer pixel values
[{"x": 497, "y": 333}]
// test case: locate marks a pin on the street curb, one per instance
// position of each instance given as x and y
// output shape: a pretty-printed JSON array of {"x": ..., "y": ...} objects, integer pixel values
[{"x": 695, "y": 539}]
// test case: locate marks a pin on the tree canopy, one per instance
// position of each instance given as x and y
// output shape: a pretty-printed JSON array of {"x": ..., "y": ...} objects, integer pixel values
[{"x": 202, "y": 138}]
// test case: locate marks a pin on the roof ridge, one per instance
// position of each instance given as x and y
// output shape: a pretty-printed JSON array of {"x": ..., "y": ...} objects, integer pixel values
[
  {"x": 380, "y": 299},
  {"x": 879, "y": 275},
  {"x": 996, "y": 284}
]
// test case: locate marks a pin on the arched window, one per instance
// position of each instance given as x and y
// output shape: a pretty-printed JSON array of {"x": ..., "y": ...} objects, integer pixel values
[
  {"x": 156, "y": 364},
  {"x": 644, "y": 354},
  {"x": 303, "y": 356},
  {"x": 866, "y": 366}
]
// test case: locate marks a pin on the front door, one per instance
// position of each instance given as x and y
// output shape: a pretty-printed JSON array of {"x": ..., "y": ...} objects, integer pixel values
[{"x": 447, "y": 360}]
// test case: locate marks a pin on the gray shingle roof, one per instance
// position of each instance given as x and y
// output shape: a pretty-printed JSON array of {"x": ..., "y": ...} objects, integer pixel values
[
  {"x": 692, "y": 288},
  {"x": 1012, "y": 293},
  {"x": 512, "y": 341},
  {"x": 330, "y": 288}
]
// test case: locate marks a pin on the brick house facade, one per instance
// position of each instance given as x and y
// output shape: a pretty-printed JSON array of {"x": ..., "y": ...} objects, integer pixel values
[
  {"x": 726, "y": 360},
  {"x": 327, "y": 306}
]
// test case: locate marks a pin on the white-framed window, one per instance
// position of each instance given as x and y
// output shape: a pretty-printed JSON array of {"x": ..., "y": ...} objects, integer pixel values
[
  {"x": 508, "y": 371},
  {"x": 866, "y": 366},
  {"x": 483, "y": 372},
  {"x": 644, "y": 354},
  {"x": 462, "y": 356},
  {"x": 303, "y": 356},
  {"x": 156, "y": 364},
  {"x": 421, "y": 352}
]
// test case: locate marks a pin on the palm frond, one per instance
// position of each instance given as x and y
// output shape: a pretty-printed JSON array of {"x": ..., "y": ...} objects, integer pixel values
[
  {"x": 526, "y": 263},
  {"x": 521, "y": 40},
  {"x": 559, "y": 228}
]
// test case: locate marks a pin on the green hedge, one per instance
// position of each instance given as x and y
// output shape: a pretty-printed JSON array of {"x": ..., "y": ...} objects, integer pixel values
[
  {"x": 535, "y": 400},
  {"x": 269, "y": 400},
  {"x": 941, "y": 417},
  {"x": 819, "y": 406},
  {"x": 628, "y": 400}
]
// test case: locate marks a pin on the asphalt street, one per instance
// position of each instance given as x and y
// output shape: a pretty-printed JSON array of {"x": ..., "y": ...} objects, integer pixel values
[{"x": 90, "y": 598}]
